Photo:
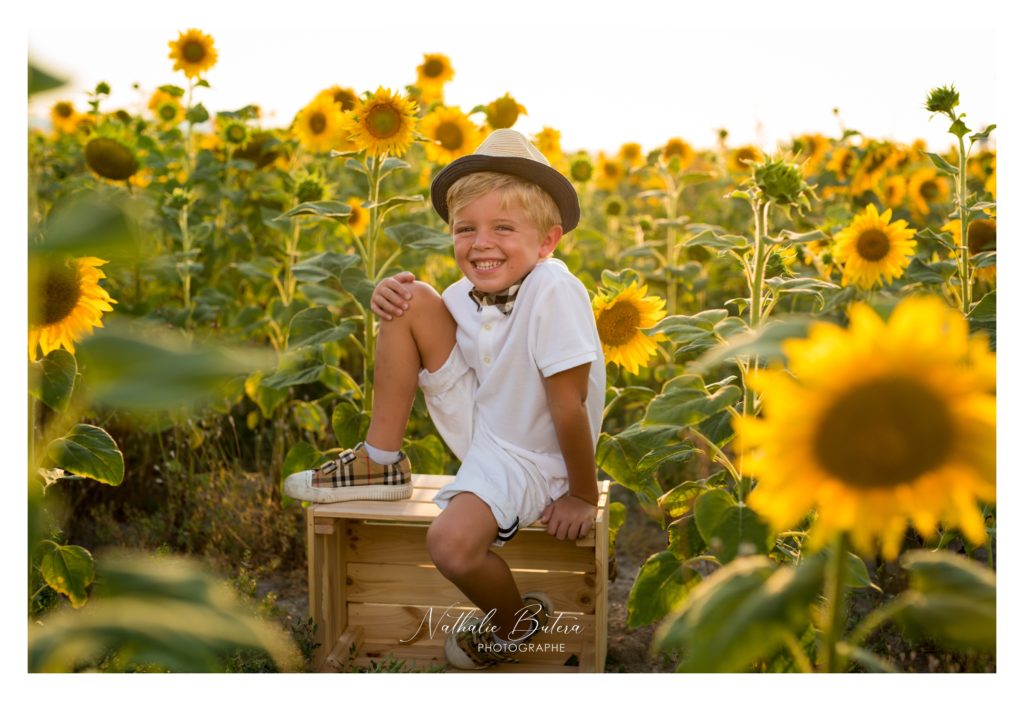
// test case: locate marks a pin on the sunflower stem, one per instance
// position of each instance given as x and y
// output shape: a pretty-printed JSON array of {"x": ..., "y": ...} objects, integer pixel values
[
  {"x": 964, "y": 266},
  {"x": 835, "y": 604},
  {"x": 803, "y": 662},
  {"x": 370, "y": 261},
  {"x": 670, "y": 248},
  {"x": 186, "y": 272},
  {"x": 876, "y": 618},
  {"x": 720, "y": 456}
]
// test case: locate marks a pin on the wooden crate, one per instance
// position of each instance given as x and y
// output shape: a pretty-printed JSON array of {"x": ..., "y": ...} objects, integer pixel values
[{"x": 373, "y": 590}]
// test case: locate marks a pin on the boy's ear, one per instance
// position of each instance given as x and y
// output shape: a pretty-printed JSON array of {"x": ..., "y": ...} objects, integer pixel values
[{"x": 550, "y": 240}]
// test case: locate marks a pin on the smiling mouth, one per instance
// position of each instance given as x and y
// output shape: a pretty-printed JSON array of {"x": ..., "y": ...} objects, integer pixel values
[{"x": 487, "y": 264}]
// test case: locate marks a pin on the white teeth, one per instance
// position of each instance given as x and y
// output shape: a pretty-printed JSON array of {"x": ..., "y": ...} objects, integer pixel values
[{"x": 487, "y": 265}]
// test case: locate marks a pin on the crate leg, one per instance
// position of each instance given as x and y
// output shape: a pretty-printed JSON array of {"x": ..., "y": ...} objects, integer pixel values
[
  {"x": 348, "y": 647},
  {"x": 601, "y": 593},
  {"x": 326, "y": 571}
]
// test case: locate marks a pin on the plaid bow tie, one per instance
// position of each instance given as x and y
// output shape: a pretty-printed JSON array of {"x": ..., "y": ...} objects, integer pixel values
[{"x": 503, "y": 300}]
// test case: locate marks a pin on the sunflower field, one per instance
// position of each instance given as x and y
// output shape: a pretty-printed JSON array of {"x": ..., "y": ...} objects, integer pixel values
[{"x": 800, "y": 348}]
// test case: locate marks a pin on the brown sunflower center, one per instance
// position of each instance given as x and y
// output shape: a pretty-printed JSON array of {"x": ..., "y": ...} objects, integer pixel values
[
  {"x": 110, "y": 159},
  {"x": 235, "y": 133},
  {"x": 168, "y": 111},
  {"x": 432, "y": 68},
  {"x": 872, "y": 245},
  {"x": 675, "y": 148},
  {"x": 383, "y": 121},
  {"x": 929, "y": 190},
  {"x": 57, "y": 295},
  {"x": 981, "y": 235},
  {"x": 63, "y": 109},
  {"x": 581, "y": 171},
  {"x": 450, "y": 135},
  {"x": 611, "y": 169},
  {"x": 355, "y": 218},
  {"x": 345, "y": 98},
  {"x": 193, "y": 51},
  {"x": 618, "y": 324},
  {"x": 318, "y": 123},
  {"x": 504, "y": 113},
  {"x": 884, "y": 432}
]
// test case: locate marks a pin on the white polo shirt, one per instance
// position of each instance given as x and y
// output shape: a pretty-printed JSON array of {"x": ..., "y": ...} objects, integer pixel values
[{"x": 504, "y": 423}]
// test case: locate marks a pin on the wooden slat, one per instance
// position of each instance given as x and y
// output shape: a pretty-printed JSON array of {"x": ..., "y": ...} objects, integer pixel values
[
  {"x": 601, "y": 596},
  {"x": 404, "y": 627},
  {"x": 405, "y": 544},
  {"x": 400, "y": 584}
]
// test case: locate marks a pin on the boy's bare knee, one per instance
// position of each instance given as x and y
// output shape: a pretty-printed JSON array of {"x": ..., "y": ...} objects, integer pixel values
[{"x": 453, "y": 554}]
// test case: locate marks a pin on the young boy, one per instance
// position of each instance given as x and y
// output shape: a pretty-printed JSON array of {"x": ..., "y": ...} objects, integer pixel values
[{"x": 511, "y": 367}]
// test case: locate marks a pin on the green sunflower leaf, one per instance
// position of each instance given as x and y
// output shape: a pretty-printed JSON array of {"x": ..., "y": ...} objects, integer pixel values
[
  {"x": 266, "y": 398},
  {"x": 350, "y": 423},
  {"x": 198, "y": 114},
  {"x": 741, "y": 613},
  {"x": 325, "y": 265},
  {"x": 942, "y": 164},
  {"x": 661, "y": 586},
  {"x": 983, "y": 134},
  {"x": 427, "y": 455},
  {"x": 685, "y": 401},
  {"x": 951, "y": 600},
  {"x": 417, "y": 236},
  {"x": 684, "y": 537},
  {"x": 41, "y": 81},
  {"x": 69, "y": 570},
  {"x": 718, "y": 240},
  {"x": 328, "y": 209},
  {"x": 53, "y": 379},
  {"x": 88, "y": 451},
  {"x": 729, "y": 527},
  {"x": 315, "y": 326},
  {"x": 765, "y": 343},
  {"x": 298, "y": 366},
  {"x": 959, "y": 129},
  {"x": 301, "y": 456}
]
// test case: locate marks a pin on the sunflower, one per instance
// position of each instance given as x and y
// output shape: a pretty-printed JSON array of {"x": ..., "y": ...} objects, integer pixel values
[
  {"x": 345, "y": 97},
  {"x": 620, "y": 319},
  {"x": 234, "y": 132},
  {"x": 581, "y": 169},
  {"x": 436, "y": 70},
  {"x": 431, "y": 75},
  {"x": 872, "y": 168},
  {"x": 926, "y": 188},
  {"x": 871, "y": 248},
  {"x": 167, "y": 108},
  {"x": 878, "y": 423},
  {"x": 631, "y": 154},
  {"x": 842, "y": 162},
  {"x": 451, "y": 135},
  {"x": 549, "y": 142},
  {"x": 503, "y": 112},
  {"x": 193, "y": 53},
  {"x": 744, "y": 153},
  {"x": 110, "y": 158},
  {"x": 894, "y": 190},
  {"x": 63, "y": 117},
  {"x": 812, "y": 149},
  {"x": 65, "y": 302},
  {"x": 678, "y": 149},
  {"x": 382, "y": 124},
  {"x": 609, "y": 172},
  {"x": 981, "y": 236},
  {"x": 320, "y": 125},
  {"x": 359, "y": 218}
]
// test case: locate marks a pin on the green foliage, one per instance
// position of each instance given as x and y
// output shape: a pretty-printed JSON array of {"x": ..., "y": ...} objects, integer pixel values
[
  {"x": 67, "y": 569},
  {"x": 88, "y": 451},
  {"x": 164, "y": 612},
  {"x": 661, "y": 585}
]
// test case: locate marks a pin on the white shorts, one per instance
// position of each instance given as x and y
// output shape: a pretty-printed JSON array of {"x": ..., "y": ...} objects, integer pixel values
[{"x": 514, "y": 482}]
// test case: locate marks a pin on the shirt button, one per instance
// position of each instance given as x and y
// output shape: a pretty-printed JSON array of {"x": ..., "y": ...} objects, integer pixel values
[
  {"x": 487, "y": 326},
  {"x": 487, "y": 359}
]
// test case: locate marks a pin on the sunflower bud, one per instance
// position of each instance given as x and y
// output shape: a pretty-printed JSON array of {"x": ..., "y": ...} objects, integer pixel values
[
  {"x": 781, "y": 183},
  {"x": 942, "y": 99},
  {"x": 581, "y": 169},
  {"x": 614, "y": 207},
  {"x": 310, "y": 187},
  {"x": 180, "y": 197}
]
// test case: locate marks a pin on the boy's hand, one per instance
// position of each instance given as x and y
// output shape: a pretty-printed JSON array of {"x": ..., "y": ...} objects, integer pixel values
[
  {"x": 391, "y": 297},
  {"x": 569, "y": 517}
]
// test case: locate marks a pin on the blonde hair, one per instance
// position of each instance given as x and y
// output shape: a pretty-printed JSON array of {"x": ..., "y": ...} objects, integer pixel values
[{"x": 539, "y": 206}]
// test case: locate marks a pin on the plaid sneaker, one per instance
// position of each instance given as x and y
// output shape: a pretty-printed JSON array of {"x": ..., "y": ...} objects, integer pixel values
[
  {"x": 469, "y": 648},
  {"x": 352, "y": 475}
]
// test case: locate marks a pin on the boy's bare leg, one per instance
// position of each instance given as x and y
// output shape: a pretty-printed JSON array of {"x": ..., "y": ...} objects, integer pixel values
[
  {"x": 422, "y": 337},
  {"x": 459, "y": 542}
]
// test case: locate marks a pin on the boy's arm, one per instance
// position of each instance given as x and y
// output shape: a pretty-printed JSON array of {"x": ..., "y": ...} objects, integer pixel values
[{"x": 567, "y": 395}]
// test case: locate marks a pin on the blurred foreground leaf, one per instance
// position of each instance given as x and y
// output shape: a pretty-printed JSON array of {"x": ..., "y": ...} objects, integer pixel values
[
  {"x": 138, "y": 366},
  {"x": 162, "y": 611}
]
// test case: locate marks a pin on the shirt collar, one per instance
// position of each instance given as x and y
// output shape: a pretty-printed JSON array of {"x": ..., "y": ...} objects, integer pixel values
[{"x": 503, "y": 299}]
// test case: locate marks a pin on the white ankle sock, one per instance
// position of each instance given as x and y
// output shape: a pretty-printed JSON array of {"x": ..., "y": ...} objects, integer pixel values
[{"x": 381, "y": 457}]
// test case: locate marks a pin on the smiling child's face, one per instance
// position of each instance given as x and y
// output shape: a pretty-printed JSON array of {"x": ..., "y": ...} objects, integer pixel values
[{"x": 496, "y": 245}]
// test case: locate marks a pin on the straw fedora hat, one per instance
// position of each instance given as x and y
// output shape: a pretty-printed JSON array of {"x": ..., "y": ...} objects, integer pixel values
[{"x": 508, "y": 151}]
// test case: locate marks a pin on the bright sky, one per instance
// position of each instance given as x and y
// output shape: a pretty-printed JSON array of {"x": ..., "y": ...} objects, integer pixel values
[
  {"x": 602, "y": 76},
  {"x": 603, "y": 73}
]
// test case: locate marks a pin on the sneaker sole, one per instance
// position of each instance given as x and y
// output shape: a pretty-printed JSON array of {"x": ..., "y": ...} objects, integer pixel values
[
  {"x": 375, "y": 492},
  {"x": 457, "y": 657}
]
